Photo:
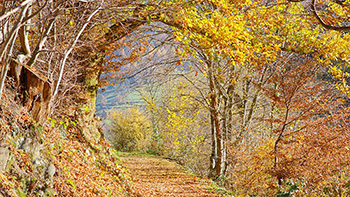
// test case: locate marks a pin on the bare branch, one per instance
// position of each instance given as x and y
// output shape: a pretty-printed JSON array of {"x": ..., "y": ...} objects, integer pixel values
[
  {"x": 40, "y": 45},
  {"x": 15, "y": 10},
  {"x": 10, "y": 42},
  {"x": 23, "y": 35},
  {"x": 70, "y": 50}
]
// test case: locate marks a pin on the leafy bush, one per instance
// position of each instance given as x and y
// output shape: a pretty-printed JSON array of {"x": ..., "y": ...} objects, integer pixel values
[{"x": 131, "y": 130}]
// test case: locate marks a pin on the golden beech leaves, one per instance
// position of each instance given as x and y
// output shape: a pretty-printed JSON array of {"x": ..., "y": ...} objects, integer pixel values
[{"x": 255, "y": 32}]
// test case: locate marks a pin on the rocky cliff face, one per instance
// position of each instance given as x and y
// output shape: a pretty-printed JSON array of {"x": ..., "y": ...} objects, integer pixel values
[{"x": 24, "y": 165}]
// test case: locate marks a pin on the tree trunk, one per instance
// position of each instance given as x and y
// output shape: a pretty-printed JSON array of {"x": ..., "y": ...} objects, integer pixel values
[
  {"x": 213, "y": 148},
  {"x": 88, "y": 125},
  {"x": 85, "y": 115},
  {"x": 219, "y": 164}
]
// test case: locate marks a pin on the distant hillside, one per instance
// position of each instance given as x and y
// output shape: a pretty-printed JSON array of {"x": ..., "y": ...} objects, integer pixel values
[{"x": 116, "y": 97}]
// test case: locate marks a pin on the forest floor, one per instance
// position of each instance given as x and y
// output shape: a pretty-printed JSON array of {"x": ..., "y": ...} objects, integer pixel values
[{"x": 154, "y": 176}]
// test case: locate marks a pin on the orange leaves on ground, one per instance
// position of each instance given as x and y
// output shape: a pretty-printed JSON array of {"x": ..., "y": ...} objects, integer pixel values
[
  {"x": 84, "y": 172},
  {"x": 158, "y": 177}
]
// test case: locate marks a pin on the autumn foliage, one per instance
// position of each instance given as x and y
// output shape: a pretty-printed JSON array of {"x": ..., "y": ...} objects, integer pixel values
[
  {"x": 131, "y": 130},
  {"x": 253, "y": 94}
]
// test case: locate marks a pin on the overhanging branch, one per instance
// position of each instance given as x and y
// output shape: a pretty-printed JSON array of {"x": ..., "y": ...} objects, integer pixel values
[
  {"x": 319, "y": 18},
  {"x": 324, "y": 24}
]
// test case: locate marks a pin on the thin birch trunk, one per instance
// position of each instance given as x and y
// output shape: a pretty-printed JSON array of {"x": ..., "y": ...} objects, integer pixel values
[{"x": 10, "y": 43}]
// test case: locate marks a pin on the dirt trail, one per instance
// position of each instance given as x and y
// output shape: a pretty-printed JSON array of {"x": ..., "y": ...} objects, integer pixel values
[{"x": 158, "y": 177}]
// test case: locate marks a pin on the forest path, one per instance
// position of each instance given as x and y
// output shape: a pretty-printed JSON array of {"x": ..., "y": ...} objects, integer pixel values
[{"x": 153, "y": 176}]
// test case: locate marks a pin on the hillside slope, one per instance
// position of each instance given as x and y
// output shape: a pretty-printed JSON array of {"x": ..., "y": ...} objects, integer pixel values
[{"x": 53, "y": 160}]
